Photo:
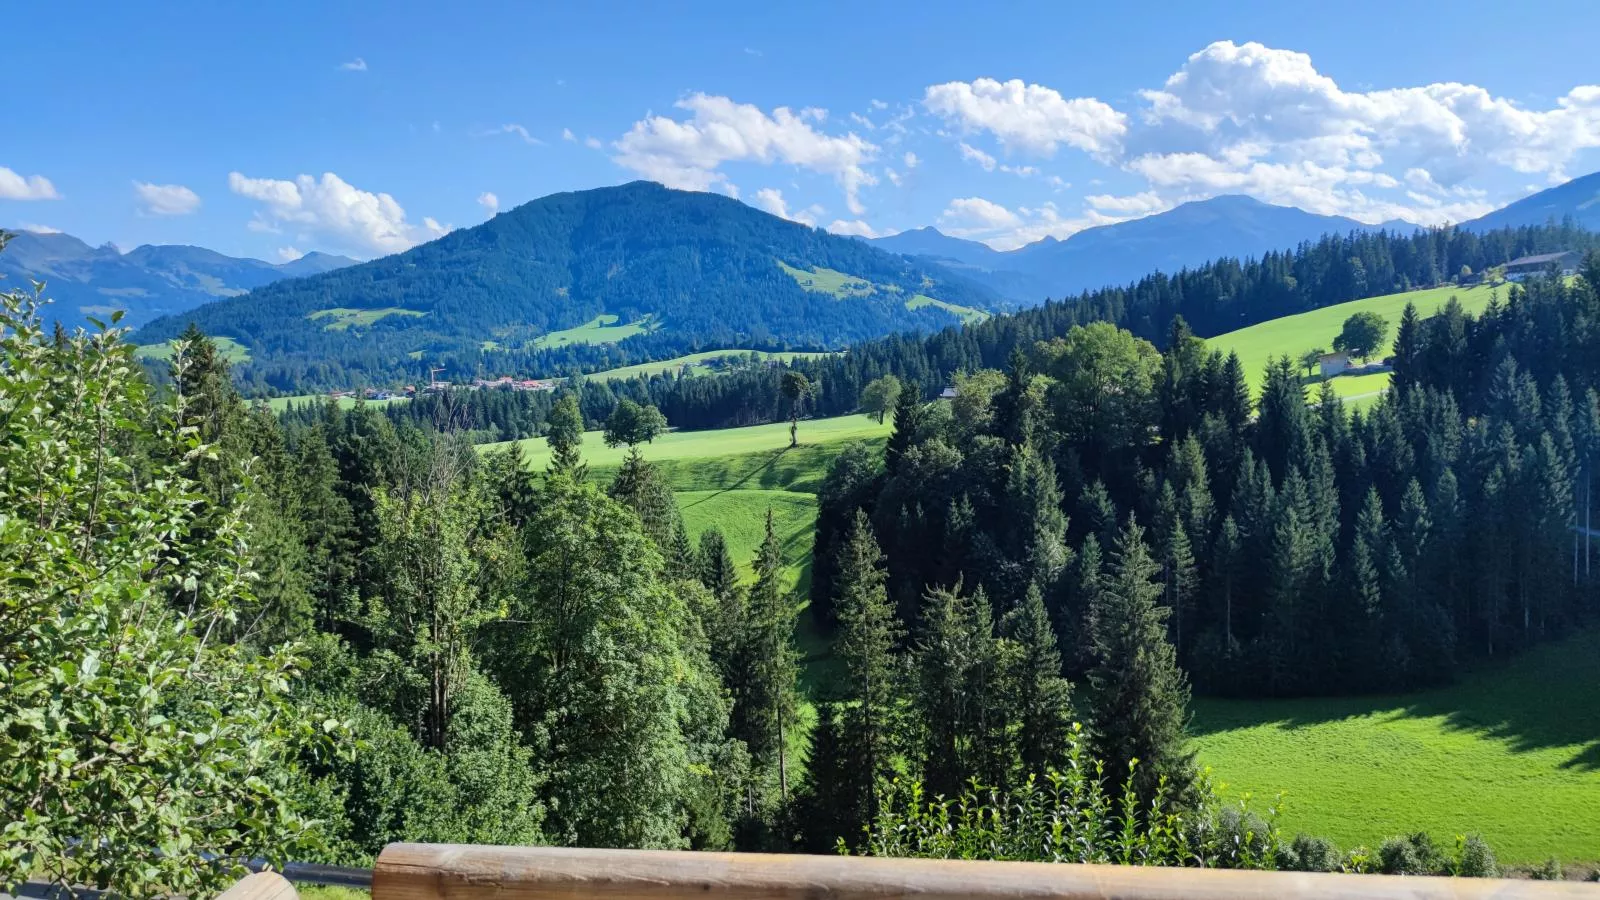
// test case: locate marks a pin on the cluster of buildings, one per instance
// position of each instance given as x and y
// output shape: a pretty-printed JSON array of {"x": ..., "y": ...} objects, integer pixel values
[{"x": 503, "y": 383}]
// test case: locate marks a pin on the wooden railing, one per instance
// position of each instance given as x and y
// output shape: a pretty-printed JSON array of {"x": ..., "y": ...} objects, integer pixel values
[{"x": 460, "y": 872}]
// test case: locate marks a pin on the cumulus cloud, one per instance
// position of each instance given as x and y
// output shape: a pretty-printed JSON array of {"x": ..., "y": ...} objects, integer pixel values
[
  {"x": 689, "y": 153},
  {"x": 489, "y": 201},
  {"x": 972, "y": 154},
  {"x": 1229, "y": 94},
  {"x": 911, "y": 160},
  {"x": 1141, "y": 204},
  {"x": 166, "y": 199},
  {"x": 567, "y": 135},
  {"x": 355, "y": 65},
  {"x": 37, "y": 229},
  {"x": 1030, "y": 118},
  {"x": 289, "y": 254},
  {"x": 593, "y": 143},
  {"x": 361, "y": 221},
  {"x": 978, "y": 214},
  {"x": 771, "y": 200},
  {"x": 854, "y": 228},
  {"x": 31, "y": 187},
  {"x": 514, "y": 129}
]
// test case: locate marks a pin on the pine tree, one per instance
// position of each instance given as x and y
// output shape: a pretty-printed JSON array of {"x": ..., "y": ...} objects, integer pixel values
[
  {"x": 1038, "y": 533},
  {"x": 564, "y": 434},
  {"x": 907, "y": 421},
  {"x": 1039, "y": 700},
  {"x": 1176, "y": 556},
  {"x": 826, "y": 810},
  {"x": 767, "y": 668},
  {"x": 954, "y": 661},
  {"x": 639, "y": 487},
  {"x": 868, "y": 633},
  {"x": 1140, "y": 696}
]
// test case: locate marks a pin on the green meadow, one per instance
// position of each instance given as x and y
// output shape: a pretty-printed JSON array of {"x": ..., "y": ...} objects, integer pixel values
[
  {"x": 1513, "y": 753},
  {"x": 230, "y": 349},
  {"x": 967, "y": 314},
  {"x": 602, "y": 329},
  {"x": 343, "y": 319},
  {"x": 1293, "y": 335},
  {"x": 695, "y": 361}
]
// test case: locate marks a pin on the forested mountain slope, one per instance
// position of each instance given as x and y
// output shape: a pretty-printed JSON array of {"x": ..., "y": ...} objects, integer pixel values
[
  {"x": 1578, "y": 199},
  {"x": 689, "y": 270},
  {"x": 146, "y": 282}
]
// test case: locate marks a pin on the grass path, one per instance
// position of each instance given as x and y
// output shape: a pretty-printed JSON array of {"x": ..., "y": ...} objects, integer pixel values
[{"x": 1513, "y": 753}]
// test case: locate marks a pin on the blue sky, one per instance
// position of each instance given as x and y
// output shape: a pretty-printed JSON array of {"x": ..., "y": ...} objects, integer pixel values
[{"x": 363, "y": 128}]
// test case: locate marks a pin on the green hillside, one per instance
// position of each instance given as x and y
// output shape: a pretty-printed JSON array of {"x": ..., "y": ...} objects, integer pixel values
[
  {"x": 230, "y": 350},
  {"x": 532, "y": 285},
  {"x": 1293, "y": 335},
  {"x": 1513, "y": 753}
]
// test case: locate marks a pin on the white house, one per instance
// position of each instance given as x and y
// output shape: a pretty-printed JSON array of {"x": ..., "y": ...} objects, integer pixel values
[{"x": 1331, "y": 364}]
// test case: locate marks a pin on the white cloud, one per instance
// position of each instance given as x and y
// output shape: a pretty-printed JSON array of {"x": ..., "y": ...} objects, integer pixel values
[
  {"x": 1141, "y": 204},
  {"x": 879, "y": 104},
  {"x": 567, "y": 135},
  {"x": 1020, "y": 171},
  {"x": 290, "y": 253},
  {"x": 978, "y": 214},
  {"x": 358, "y": 220},
  {"x": 355, "y": 65},
  {"x": 893, "y": 176},
  {"x": 972, "y": 154},
  {"x": 854, "y": 227},
  {"x": 31, "y": 187},
  {"x": 1231, "y": 93},
  {"x": 512, "y": 128},
  {"x": 1030, "y": 118},
  {"x": 593, "y": 143},
  {"x": 37, "y": 229},
  {"x": 489, "y": 201},
  {"x": 771, "y": 200},
  {"x": 689, "y": 153},
  {"x": 166, "y": 199},
  {"x": 911, "y": 160},
  {"x": 863, "y": 121}
]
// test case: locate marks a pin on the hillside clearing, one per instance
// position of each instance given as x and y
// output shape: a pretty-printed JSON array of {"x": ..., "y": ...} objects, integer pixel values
[
  {"x": 823, "y": 280},
  {"x": 1293, "y": 335},
  {"x": 1512, "y": 753},
  {"x": 230, "y": 350},
  {"x": 966, "y": 314},
  {"x": 343, "y": 318},
  {"x": 742, "y": 517},
  {"x": 280, "y": 404},
  {"x": 697, "y": 363},
  {"x": 602, "y": 329},
  {"x": 723, "y": 451}
]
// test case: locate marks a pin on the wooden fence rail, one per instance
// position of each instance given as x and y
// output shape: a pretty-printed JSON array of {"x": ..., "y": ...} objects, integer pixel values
[{"x": 459, "y": 872}]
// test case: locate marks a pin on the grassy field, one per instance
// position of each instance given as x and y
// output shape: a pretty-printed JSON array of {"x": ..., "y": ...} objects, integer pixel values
[
  {"x": 231, "y": 350},
  {"x": 279, "y": 404},
  {"x": 742, "y": 516},
  {"x": 694, "y": 360},
  {"x": 343, "y": 319},
  {"x": 823, "y": 280},
  {"x": 1293, "y": 335},
  {"x": 603, "y": 329},
  {"x": 966, "y": 313},
  {"x": 730, "y": 457},
  {"x": 1513, "y": 753}
]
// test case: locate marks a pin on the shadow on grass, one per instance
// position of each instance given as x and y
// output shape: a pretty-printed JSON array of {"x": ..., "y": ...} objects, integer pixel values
[{"x": 1548, "y": 697}]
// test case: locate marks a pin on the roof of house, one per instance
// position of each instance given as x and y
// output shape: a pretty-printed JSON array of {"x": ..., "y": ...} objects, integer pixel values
[{"x": 1540, "y": 259}]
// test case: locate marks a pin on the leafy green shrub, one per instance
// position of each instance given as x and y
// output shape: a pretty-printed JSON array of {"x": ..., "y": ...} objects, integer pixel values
[
  {"x": 1474, "y": 859},
  {"x": 1068, "y": 816},
  {"x": 1310, "y": 854},
  {"x": 132, "y": 737},
  {"x": 1414, "y": 855}
]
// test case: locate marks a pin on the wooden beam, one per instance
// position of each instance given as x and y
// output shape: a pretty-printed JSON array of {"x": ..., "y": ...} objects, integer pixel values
[
  {"x": 459, "y": 872},
  {"x": 261, "y": 886}
]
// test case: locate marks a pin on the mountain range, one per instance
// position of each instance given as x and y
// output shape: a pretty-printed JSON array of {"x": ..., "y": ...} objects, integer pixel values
[
  {"x": 146, "y": 282},
  {"x": 1578, "y": 198},
  {"x": 1183, "y": 237},
  {"x": 672, "y": 270}
]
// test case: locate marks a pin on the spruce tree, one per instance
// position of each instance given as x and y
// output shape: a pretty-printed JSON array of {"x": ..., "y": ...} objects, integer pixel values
[
  {"x": 868, "y": 634},
  {"x": 1039, "y": 700},
  {"x": 1140, "y": 696},
  {"x": 564, "y": 433},
  {"x": 767, "y": 670},
  {"x": 907, "y": 422},
  {"x": 639, "y": 487}
]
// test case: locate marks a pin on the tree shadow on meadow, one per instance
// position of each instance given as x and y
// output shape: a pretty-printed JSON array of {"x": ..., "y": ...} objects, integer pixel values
[{"x": 1547, "y": 697}]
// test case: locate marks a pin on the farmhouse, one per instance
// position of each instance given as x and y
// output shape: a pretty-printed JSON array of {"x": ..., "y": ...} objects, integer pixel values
[
  {"x": 1331, "y": 364},
  {"x": 1523, "y": 266}
]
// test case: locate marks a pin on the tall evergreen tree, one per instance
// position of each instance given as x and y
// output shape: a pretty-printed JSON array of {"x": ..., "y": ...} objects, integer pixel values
[
  {"x": 564, "y": 434},
  {"x": 1039, "y": 699},
  {"x": 1140, "y": 697},
  {"x": 868, "y": 634}
]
